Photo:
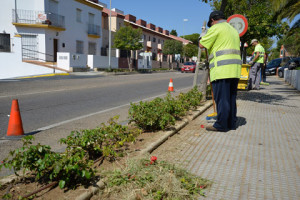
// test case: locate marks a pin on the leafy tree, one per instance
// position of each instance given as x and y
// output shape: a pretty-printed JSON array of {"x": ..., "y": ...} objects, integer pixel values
[
  {"x": 190, "y": 50},
  {"x": 173, "y": 32},
  {"x": 261, "y": 23},
  {"x": 291, "y": 42},
  {"x": 286, "y": 9},
  {"x": 172, "y": 47},
  {"x": 128, "y": 38},
  {"x": 260, "y": 18},
  {"x": 193, "y": 37}
]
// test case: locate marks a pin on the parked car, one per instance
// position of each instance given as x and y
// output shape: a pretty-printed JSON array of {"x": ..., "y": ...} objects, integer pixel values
[
  {"x": 291, "y": 64},
  {"x": 272, "y": 66},
  {"x": 188, "y": 67}
]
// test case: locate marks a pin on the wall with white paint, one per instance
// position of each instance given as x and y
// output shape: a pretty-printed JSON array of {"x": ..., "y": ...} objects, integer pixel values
[
  {"x": 11, "y": 64},
  {"x": 102, "y": 62}
]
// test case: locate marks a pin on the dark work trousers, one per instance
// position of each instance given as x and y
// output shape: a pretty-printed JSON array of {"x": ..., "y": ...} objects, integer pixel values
[
  {"x": 255, "y": 73},
  {"x": 264, "y": 77},
  {"x": 225, "y": 92}
]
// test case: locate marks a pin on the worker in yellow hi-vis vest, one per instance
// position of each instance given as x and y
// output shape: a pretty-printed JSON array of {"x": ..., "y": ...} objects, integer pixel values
[
  {"x": 256, "y": 65},
  {"x": 223, "y": 44}
]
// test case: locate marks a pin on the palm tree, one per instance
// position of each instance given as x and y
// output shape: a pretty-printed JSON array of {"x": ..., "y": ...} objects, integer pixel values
[{"x": 288, "y": 9}]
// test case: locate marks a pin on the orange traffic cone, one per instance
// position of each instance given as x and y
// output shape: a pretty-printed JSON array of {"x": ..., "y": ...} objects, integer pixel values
[
  {"x": 171, "y": 88},
  {"x": 15, "y": 127}
]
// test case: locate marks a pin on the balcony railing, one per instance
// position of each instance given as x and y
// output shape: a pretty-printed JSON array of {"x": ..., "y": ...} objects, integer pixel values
[
  {"x": 38, "y": 17},
  {"x": 93, "y": 29}
]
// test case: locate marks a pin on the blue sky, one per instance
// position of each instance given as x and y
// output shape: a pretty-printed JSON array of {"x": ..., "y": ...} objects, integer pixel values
[{"x": 168, "y": 14}]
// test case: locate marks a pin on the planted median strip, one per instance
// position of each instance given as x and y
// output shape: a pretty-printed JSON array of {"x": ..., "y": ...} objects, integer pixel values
[{"x": 84, "y": 149}]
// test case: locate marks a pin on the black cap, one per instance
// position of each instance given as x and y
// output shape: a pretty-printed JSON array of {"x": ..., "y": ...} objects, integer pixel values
[{"x": 213, "y": 15}]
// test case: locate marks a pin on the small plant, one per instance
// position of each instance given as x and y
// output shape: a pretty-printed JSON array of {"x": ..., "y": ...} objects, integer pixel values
[
  {"x": 152, "y": 115},
  {"x": 38, "y": 158},
  {"x": 103, "y": 141},
  {"x": 160, "y": 114},
  {"x": 66, "y": 168},
  {"x": 75, "y": 165}
]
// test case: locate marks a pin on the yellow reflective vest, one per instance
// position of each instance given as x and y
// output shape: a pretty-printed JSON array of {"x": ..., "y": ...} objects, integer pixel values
[
  {"x": 223, "y": 44},
  {"x": 261, "y": 51}
]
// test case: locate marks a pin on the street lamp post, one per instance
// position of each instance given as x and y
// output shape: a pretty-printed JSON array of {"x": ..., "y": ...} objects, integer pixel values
[
  {"x": 184, "y": 20},
  {"x": 109, "y": 45}
]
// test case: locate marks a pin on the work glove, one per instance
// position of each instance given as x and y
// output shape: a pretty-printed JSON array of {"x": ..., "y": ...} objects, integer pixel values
[
  {"x": 201, "y": 35},
  {"x": 251, "y": 63},
  {"x": 206, "y": 64}
]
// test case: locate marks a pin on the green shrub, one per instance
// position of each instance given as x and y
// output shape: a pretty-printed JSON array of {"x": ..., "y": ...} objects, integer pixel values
[
  {"x": 103, "y": 141},
  {"x": 160, "y": 114},
  {"x": 75, "y": 165},
  {"x": 67, "y": 168},
  {"x": 151, "y": 115}
]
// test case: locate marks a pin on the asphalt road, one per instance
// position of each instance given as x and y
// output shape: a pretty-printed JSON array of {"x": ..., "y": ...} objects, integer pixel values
[{"x": 47, "y": 102}]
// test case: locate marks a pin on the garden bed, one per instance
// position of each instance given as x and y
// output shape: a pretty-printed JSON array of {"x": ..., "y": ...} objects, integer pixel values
[{"x": 91, "y": 153}]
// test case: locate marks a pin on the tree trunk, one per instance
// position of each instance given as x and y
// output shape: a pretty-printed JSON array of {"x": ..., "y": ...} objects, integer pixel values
[
  {"x": 131, "y": 60},
  {"x": 223, "y": 5},
  {"x": 171, "y": 61}
]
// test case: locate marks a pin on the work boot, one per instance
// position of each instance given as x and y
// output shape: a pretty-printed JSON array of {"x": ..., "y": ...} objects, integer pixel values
[{"x": 211, "y": 128}]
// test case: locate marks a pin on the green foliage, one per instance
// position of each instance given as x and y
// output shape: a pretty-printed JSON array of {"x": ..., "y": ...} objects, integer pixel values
[
  {"x": 38, "y": 158},
  {"x": 192, "y": 98},
  {"x": 172, "y": 47},
  {"x": 193, "y": 37},
  {"x": 260, "y": 18},
  {"x": 291, "y": 42},
  {"x": 75, "y": 165},
  {"x": 128, "y": 38},
  {"x": 285, "y": 9},
  {"x": 173, "y": 32},
  {"x": 69, "y": 167},
  {"x": 160, "y": 114},
  {"x": 103, "y": 141},
  {"x": 190, "y": 50},
  {"x": 151, "y": 115}
]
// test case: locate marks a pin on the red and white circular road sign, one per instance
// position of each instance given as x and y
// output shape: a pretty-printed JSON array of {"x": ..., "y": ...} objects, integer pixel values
[{"x": 239, "y": 22}]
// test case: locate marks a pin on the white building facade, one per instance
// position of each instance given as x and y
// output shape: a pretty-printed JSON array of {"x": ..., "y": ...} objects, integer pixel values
[{"x": 51, "y": 26}]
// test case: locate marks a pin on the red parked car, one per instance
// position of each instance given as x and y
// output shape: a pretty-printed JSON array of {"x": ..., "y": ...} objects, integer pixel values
[{"x": 188, "y": 67}]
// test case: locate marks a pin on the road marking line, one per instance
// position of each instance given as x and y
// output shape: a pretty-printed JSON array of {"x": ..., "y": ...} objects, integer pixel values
[{"x": 99, "y": 112}]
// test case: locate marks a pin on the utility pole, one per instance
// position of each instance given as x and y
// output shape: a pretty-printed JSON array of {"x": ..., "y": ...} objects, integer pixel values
[
  {"x": 184, "y": 20},
  {"x": 109, "y": 48},
  {"x": 198, "y": 58}
]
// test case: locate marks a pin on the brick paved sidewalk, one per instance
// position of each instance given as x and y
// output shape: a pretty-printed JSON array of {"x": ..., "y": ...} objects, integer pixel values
[{"x": 259, "y": 160}]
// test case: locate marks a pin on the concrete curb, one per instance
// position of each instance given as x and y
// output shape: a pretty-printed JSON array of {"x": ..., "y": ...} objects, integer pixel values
[
  {"x": 45, "y": 75},
  {"x": 178, "y": 127},
  {"x": 136, "y": 72},
  {"x": 94, "y": 190}
]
